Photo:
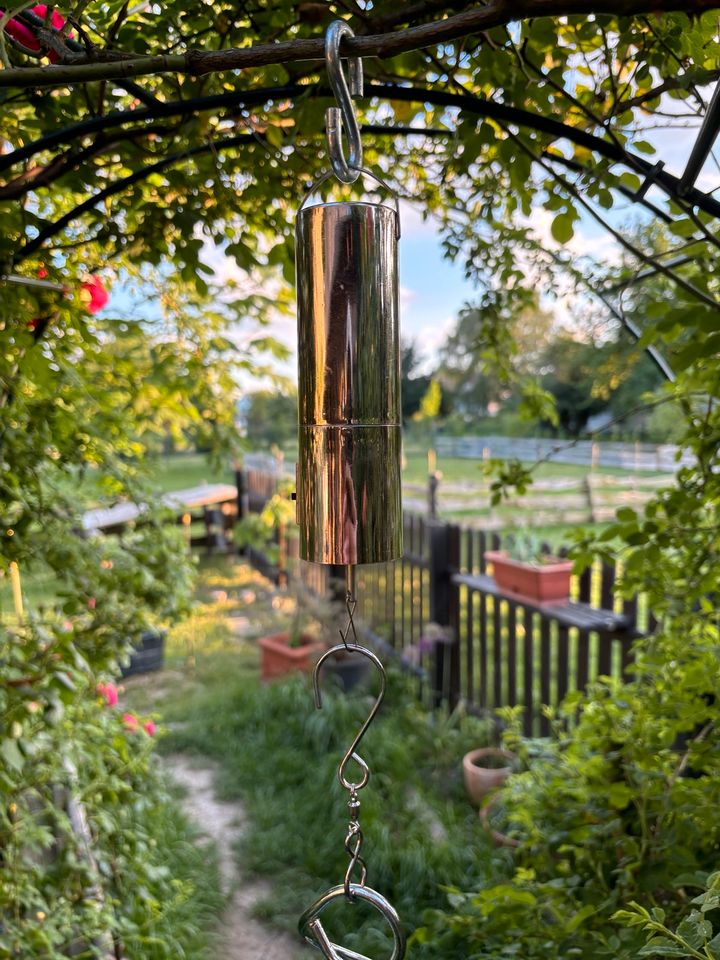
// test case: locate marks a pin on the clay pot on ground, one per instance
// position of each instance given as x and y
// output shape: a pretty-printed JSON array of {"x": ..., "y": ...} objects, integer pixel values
[
  {"x": 278, "y": 657},
  {"x": 488, "y": 818},
  {"x": 546, "y": 582},
  {"x": 485, "y": 770}
]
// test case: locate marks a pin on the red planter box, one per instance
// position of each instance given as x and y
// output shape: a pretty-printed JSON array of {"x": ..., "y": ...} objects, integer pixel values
[
  {"x": 542, "y": 583},
  {"x": 277, "y": 658}
]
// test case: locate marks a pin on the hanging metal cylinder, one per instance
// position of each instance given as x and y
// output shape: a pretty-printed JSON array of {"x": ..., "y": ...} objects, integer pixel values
[{"x": 348, "y": 481}]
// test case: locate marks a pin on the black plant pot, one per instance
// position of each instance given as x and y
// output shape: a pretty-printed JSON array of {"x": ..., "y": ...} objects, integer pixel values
[
  {"x": 349, "y": 671},
  {"x": 148, "y": 655}
]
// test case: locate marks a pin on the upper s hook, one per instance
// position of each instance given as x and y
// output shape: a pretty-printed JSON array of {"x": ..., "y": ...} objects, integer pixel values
[
  {"x": 350, "y": 754},
  {"x": 344, "y": 114}
]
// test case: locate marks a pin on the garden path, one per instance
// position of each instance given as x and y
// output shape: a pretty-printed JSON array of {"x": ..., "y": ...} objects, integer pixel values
[{"x": 242, "y": 936}]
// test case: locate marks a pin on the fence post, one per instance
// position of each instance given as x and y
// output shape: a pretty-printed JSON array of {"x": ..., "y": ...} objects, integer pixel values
[
  {"x": 443, "y": 543},
  {"x": 433, "y": 484},
  {"x": 241, "y": 485}
]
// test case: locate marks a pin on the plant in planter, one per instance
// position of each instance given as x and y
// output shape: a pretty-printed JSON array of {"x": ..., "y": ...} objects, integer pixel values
[
  {"x": 347, "y": 670},
  {"x": 291, "y": 651},
  {"x": 525, "y": 568}
]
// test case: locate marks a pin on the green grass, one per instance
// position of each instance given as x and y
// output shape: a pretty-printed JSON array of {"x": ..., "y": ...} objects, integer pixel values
[
  {"x": 187, "y": 470},
  {"x": 456, "y": 470},
  {"x": 279, "y": 756},
  {"x": 190, "y": 916}
]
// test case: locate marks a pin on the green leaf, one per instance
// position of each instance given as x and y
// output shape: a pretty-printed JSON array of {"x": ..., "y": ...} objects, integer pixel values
[
  {"x": 562, "y": 228},
  {"x": 662, "y": 947},
  {"x": 11, "y": 754}
]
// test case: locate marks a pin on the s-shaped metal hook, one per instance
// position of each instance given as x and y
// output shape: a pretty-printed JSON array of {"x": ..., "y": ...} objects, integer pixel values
[
  {"x": 351, "y": 754},
  {"x": 347, "y": 171}
]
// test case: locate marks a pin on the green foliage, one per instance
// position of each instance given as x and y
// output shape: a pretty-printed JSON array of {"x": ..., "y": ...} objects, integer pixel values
[
  {"x": 80, "y": 407},
  {"x": 430, "y": 403},
  {"x": 270, "y": 419},
  {"x": 93, "y": 847},
  {"x": 420, "y": 833},
  {"x": 261, "y": 530},
  {"x": 694, "y": 936}
]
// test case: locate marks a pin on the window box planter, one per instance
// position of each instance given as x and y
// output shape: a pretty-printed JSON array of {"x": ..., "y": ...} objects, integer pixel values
[
  {"x": 546, "y": 582},
  {"x": 278, "y": 658}
]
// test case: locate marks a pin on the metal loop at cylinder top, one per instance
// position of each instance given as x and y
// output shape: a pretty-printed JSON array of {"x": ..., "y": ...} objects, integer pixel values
[{"x": 343, "y": 115}]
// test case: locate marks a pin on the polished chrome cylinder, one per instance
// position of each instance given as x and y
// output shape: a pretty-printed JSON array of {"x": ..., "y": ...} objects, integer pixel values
[{"x": 348, "y": 482}]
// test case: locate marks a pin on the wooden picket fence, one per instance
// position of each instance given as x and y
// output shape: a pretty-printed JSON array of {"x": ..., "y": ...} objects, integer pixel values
[{"x": 441, "y": 613}]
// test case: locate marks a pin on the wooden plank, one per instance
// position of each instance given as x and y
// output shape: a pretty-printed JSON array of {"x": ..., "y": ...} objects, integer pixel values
[
  {"x": 483, "y": 611},
  {"x": 497, "y": 653},
  {"x": 583, "y": 659},
  {"x": 469, "y": 641},
  {"x": 180, "y": 501},
  {"x": 454, "y": 619},
  {"x": 627, "y": 658},
  {"x": 563, "y": 658},
  {"x": 529, "y": 671},
  {"x": 545, "y": 695},
  {"x": 604, "y": 656},
  {"x": 512, "y": 654},
  {"x": 570, "y": 614}
]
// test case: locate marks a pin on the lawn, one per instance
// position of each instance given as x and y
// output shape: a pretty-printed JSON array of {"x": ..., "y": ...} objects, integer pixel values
[{"x": 188, "y": 470}]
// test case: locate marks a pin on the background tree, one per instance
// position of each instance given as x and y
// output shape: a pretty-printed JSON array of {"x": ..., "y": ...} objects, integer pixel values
[{"x": 271, "y": 419}]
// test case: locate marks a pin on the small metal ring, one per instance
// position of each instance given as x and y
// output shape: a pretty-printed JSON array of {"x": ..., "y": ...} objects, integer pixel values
[
  {"x": 343, "y": 114},
  {"x": 311, "y": 917}
]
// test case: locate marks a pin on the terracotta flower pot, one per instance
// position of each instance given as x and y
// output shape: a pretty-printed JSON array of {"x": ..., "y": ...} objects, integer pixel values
[
  {"x": 278, "y": 658},
  {"x": 499, "y": 839},
  {"x": 482, "y": 775},
  {"x": 547, "y": 582}
]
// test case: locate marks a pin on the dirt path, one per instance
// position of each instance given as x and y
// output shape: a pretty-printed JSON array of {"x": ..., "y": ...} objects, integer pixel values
[{"x": 242, "y": 936}]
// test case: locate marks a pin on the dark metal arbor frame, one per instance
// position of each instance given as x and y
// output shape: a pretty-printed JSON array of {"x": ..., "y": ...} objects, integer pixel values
[{"x": 677, "y": 190}]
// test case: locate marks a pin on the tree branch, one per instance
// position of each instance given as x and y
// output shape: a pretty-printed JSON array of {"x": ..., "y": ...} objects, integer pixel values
[
  {"x": 477, "y": 106},
  {"x": 52, "y": 229},
  {"x": 246, "y": 139},
  {"x": 110, "y": 65}
]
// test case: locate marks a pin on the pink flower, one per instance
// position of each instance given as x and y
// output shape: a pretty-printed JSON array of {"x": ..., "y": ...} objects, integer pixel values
[
  {"x": 26, "y": 35},
  {"x": 131, "y": 722},
  {"x": 150, "y": 728},
  {"x": 109, "y": 693},
  {"x": 92, "y": 603},
  {"x": 95, "y": 295}
]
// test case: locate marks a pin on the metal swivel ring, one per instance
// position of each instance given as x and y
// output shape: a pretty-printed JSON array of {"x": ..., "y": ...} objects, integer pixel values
[{"x": 312, "y": 930}]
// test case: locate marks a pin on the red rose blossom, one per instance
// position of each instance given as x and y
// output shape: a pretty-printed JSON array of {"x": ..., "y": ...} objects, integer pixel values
[{"x": 26, "y": 35}]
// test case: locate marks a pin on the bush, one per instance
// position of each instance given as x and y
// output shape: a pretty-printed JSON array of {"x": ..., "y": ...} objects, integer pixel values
[
  {"x": 94, "y": 851},
  {"x": 622, "y": 807}
]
